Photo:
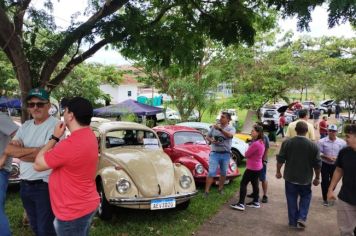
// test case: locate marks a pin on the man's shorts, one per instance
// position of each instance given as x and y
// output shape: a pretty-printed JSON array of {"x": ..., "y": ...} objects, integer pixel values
[
  {"x": 217, "y": 159},
  {"x": 263, "y": 173}
]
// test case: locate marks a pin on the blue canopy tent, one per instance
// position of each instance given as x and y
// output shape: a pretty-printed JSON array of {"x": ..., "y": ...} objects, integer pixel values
[
  {"x": 127, "y": 107},
  {"x": 14, "y": 103}
]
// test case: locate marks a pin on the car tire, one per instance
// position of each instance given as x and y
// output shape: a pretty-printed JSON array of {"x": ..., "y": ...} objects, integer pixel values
[
  {"x": 105, "y": 210},
  {"x": 183, "y": 205},
  {"x": 236, "y": 156}
]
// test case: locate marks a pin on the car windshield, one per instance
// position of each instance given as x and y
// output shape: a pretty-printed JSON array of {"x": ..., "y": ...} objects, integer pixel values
[
  {"x": 186, "y": 137},
  {"x": 130, "y": 137}
]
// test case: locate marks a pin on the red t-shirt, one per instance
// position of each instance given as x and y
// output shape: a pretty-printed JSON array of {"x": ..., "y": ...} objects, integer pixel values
[
  {"x": 282, "y": 121},
  {"x": 72, "y": 181},
  {"x": 323, "y": 127}
]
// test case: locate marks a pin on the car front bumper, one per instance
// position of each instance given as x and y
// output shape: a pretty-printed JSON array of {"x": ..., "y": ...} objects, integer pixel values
[{"x": 147, "y": 201}]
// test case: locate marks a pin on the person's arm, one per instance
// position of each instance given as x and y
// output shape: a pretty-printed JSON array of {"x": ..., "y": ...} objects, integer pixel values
[
  {"x": 265, "y": 155},
  {"x": 252, "y": 149},
  {"x": 24, "y": 153},
  {"x": 224, "y": 132},
  {"x": 40, "y": 162},
  {"x": 316, "y": 180},
  {"x": 338, "y": 173},
  {"x": 278, "y": 171}
]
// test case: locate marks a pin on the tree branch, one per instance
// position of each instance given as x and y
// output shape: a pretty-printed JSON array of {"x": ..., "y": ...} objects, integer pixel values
[
  {"x": 19, "y": 15},
  {"x": 73, "y": 62},
  {"x": 162, "y": 13},
  {"x": 49, "y": 66}
]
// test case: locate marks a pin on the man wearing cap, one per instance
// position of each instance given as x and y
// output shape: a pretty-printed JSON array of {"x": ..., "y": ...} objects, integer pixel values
[
  {"x": 345, "y": 169},
  {"x": 7, "y": 130},
  {"x": 73, "y": 161},
  {"x": 32, "y": 135},
  {"x": 302, "y": 117},
  {"x": 329, "y": 149}
]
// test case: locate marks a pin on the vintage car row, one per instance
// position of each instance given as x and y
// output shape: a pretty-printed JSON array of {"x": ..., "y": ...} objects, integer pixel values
[
  {"x": 187, "y": 146},
  {"x": 134, "y": 172}
]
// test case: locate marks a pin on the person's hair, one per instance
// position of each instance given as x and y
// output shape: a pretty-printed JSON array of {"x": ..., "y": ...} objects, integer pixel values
[
  {"x": 350, "y": 129},
  {"x": 282, "y": 114},
  {"x": 259, "y": 130},
  {"x": 301, "y": 128},
  {"x": 227, "y": 114},
  {"x": 302, "y": 113},
  {"x": 325, "y": 117}
]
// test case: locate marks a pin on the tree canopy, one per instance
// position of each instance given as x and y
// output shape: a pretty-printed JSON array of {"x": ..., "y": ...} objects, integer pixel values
[{"x": 168, "y": 31}]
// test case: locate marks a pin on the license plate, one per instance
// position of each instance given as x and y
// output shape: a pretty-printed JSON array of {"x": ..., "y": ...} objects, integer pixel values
[{"x": 163, "y": 204}]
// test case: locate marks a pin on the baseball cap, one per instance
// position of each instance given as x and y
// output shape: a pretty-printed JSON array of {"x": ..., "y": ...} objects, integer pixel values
[
  {"x": 38, "y": 93},
  {"x": 332, "y": 127},
  {"x": 81, "y": 108}
]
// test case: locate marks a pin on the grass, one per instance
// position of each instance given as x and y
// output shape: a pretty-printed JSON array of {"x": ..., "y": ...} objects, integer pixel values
[{"x": 140, "y": 222}]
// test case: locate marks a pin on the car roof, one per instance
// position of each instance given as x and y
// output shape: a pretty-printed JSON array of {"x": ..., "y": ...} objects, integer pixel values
[
  {"x": 196, "y": 124},
  {"x": 171, "y": 129},
  {"x": 106, "y": 126}
]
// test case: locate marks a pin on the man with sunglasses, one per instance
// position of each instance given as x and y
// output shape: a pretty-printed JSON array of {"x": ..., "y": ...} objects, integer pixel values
[
  {"x": 30, "y": 137},
  {"x": 330, "y": 147}
]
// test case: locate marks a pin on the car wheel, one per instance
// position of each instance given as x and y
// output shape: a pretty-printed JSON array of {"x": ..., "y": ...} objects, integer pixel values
[
  {"x": 105, "y": 210},
  {"x": 183, "y": 205},
  {"x": 236, "y": 156}
]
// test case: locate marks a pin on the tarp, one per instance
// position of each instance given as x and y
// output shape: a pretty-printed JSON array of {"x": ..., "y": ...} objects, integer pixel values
[
  {"x": 10, "y": 103},
  {"x": 127, "y": 107}
]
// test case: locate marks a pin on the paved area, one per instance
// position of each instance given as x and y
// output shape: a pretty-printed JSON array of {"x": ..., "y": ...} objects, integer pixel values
[{"x": 271, "y": 218}]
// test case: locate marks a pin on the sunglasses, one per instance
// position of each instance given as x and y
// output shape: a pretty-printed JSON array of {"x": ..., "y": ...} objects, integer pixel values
[{"x": 38, "y": 104}]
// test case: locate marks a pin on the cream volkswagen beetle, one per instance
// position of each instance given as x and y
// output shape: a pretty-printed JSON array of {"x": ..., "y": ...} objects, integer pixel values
[{"x": 134, "y": 172}]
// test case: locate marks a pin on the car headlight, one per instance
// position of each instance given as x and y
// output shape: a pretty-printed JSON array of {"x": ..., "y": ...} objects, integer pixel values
[
  {"x": 233, "y": 166},
  {"x": 185, "y": 181},
  {"x": 123, "y": 185},
  {"x": 199, "y": 169}
]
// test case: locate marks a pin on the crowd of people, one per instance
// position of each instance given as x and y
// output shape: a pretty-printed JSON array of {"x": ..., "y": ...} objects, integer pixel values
[
  {"x": 306, "y": 162},
  {"x": 58, "y": 189}
]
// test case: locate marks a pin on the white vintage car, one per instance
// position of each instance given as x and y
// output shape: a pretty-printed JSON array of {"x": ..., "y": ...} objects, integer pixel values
[
  {"x": 238, "y": 146},
  {"x": 134, "y": 172}
]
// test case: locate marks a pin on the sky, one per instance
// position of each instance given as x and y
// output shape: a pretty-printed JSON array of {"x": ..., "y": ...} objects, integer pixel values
[{"x": 65, "y": 8}]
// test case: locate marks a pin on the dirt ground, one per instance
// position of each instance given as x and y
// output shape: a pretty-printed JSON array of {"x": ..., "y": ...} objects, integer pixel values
[{"x": 271, "y": 218}]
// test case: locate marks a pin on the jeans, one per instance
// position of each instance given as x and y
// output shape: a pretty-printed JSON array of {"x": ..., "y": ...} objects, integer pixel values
[
  {"x": 4, "y": 222},
  {"x": 249, "y": 176},
  {"x": 35, "y": 200},
  {"x": 77, "y": 227},
  {"x": 327, "y": 171},
  {"x": 297, "y": 211},
  {"x": 280, "y": 131},
  {"x": 218, "y": 159}
]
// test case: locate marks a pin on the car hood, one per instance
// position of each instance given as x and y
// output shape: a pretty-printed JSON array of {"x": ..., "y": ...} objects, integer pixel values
[
  {"x": 198, "y": 151},
  {"x": 150, "y": 169}
]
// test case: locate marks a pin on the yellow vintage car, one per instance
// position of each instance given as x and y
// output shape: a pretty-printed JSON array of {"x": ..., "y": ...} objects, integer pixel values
[{"x": 134, "y": 172}]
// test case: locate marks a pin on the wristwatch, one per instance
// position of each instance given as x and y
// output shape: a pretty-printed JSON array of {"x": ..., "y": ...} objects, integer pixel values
[{"x": 54, "y": 138}]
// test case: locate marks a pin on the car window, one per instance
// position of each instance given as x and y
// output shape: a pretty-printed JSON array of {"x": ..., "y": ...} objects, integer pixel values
[
  {"x": 164, "y": 138},
  {"x": 127, "y": 137},
  {"x": 188, "y": 137}
]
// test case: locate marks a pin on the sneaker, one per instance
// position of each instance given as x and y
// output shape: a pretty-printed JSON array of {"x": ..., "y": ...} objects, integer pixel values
[
  {"x": 253, "y": 204},
  {"x": 264, "y": 199},
  {"x": 238, "y": 206},
  {"x": 325, "y": 203},
  {"x": 221, "y": 192},
  {"x": 301, "y": 224},
  {"x": 205, "y": 195},
  {"x": 250, "y": 195}
]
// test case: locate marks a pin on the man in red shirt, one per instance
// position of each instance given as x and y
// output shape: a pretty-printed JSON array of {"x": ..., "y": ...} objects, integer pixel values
[
  {"x": 323, "y": 127},
  {"x": 73, "y": 194}
]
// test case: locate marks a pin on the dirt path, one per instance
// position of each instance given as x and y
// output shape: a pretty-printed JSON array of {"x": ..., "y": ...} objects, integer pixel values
[{"x": 271, "y": 218}]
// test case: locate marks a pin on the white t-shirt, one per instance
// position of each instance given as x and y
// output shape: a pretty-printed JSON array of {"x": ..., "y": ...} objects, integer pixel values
[{"x": 33, "y": 135}]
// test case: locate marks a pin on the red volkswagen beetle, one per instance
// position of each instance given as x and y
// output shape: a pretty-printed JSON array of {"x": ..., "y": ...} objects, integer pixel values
[{"x": 188, "y": 146}]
